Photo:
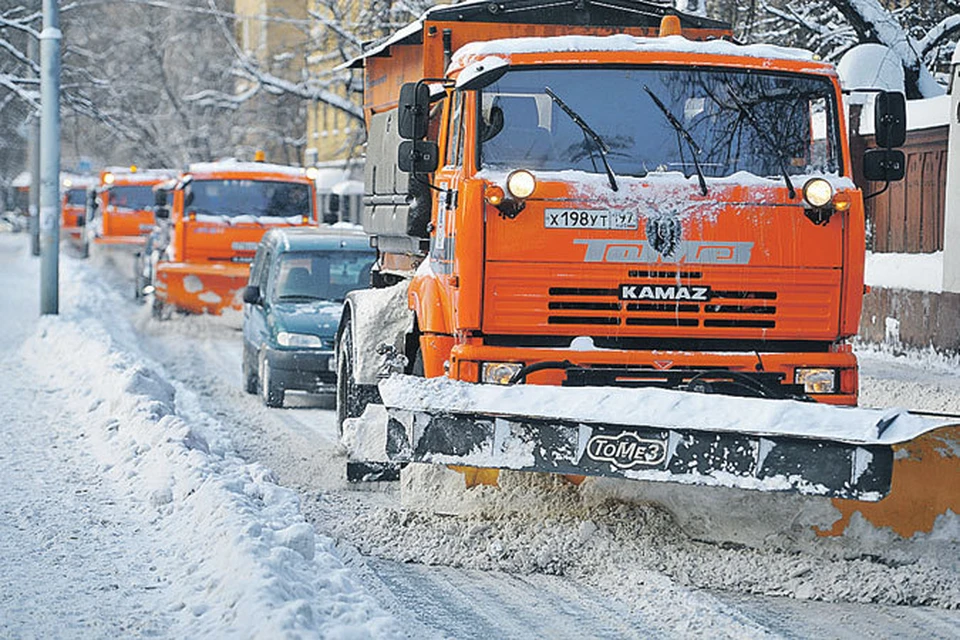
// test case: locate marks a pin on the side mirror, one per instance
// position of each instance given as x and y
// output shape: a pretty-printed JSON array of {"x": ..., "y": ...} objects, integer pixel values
[
  {"x": 251, "y": 295},
  {"x": 413, "y": 111},
  {"x": 81, "y": 220},
  {"x": 160, "y": 198},
  {"x": 188, "y": 198},
  {"x": 890, "y": 119},
  {"x": 418, "y": 156},
  {"x": 884, "y": 165},
  {"x": 162, "y": 213}
]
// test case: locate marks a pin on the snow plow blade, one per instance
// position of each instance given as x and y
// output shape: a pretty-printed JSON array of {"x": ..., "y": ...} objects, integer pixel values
[
  {"x": 201, "y": 288},
  {"x": 655, "y": 435}
]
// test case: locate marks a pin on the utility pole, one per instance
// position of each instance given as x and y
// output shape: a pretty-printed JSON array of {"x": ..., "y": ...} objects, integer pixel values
[
  {"x": 50, "y": 158},
  {"x": 33, "y": 161}
]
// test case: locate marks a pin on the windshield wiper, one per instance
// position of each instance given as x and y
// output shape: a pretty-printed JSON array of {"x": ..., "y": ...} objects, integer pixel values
[
  {"x": 681, "y": 130},
  {"x": 297, "y": 296},
  {"x": 752, "y": 119},
  {"x": 589, "y": 132}
]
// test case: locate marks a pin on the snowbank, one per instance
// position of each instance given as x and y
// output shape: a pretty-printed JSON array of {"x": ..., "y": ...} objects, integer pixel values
[
  {"x": 243, "y": 561},
  {"x": 912, "y": 271}
]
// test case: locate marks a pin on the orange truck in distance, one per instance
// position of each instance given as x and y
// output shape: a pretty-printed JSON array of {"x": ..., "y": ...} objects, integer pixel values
[
  {"x": 76, "y": 195},
  {"x": 124, "y": 215},
  {"x": 199, "y": 259},
  {"x": 658, "y": 213}
]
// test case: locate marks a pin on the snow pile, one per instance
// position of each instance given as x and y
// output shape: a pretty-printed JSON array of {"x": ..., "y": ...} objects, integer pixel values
[
  {"x": 672, "y": 409},
  {"x": 912, "y": 271},
  {"x": 921, "y": 114},
  {"x": 539, "y": 524},
  {"x": 240, "y": 559},
  {"x": 870, "y": 66}
]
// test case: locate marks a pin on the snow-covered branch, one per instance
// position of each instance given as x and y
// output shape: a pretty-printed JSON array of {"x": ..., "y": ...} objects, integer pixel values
[{"x": 945, "y": 30}]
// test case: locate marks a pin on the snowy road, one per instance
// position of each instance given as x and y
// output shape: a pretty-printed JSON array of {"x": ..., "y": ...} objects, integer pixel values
[{"x": 535, "y": 563}]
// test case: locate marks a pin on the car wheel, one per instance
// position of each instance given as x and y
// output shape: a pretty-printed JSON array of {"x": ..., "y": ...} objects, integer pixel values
[
  {"x": 270, "y": 392},
  {"x": 352, "y": 398},
  {"x": 251, "y": 381}
]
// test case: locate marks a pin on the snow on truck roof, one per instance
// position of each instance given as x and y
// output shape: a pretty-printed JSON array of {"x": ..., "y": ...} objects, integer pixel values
[
  {"x": 623, "y": 43},
  {"x": 237, "y": 166},
  {"x": 576, "y": 13}
]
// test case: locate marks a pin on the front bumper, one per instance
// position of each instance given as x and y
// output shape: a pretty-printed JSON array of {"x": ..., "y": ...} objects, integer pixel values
[
  {"x": 466, "y": 361},
  {"x": 308, "y": 370},
  {"x": 198, "y": 287}
]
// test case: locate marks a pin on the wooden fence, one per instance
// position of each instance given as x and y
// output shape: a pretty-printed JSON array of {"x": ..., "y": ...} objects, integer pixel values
[{"x": 908, "y": 217}]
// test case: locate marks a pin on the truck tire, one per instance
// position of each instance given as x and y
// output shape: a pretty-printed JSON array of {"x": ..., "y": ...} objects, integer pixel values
[
  {"x": 138, "y": 284},
  {"x": 270, "y": 392},
  {"x": 352, "y": 398},
  {"x": 251, "y": 383}
]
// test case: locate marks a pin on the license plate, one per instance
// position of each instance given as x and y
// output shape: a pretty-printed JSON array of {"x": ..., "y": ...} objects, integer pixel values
[
  {"x": 244, "y": 246},
  {"x": 589, "y": 219}
]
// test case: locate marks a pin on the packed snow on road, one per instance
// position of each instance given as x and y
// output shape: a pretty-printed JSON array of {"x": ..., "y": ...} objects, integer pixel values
[{"x": 148, "y": 495}]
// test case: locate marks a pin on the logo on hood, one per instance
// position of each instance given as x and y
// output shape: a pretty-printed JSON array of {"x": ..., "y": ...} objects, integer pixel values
[{"x": 664, "y": 234}]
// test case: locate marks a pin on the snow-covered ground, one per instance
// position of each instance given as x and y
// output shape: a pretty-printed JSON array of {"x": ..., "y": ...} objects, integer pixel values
[
  {"x": 128, "y": 519},
  {"x": 154, "y": 498}
]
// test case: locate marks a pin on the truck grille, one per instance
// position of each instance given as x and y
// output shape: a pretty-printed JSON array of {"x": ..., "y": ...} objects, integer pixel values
[{"x": 725, "y": 309}]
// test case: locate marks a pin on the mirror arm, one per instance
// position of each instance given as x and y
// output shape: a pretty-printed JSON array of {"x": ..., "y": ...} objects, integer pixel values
[{"x": 877, "y": 193}]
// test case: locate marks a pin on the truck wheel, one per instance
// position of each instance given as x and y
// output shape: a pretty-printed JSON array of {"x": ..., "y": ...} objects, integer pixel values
[
  {"x": 138, "y": 283},
  {"x": 352, "y": 398},
  {"x": 251, "y": 382},
  {"x": 159, "y": 311},
  {"x": 270, "y": 392}
]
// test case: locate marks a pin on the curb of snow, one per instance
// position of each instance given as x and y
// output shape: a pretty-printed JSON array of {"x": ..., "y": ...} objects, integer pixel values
[{"x": 244, "y": 562}]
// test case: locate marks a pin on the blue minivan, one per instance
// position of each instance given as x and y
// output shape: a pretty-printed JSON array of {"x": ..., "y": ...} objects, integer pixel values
[{"x": 298, "y": 281}]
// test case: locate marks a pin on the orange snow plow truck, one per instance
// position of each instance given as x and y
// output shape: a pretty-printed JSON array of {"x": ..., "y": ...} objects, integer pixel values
[
  {"x": 125, "y": 216},
  {"x": 613, "y": 243},
  {"x": 199, "y": 259},
  {"x": 76, "y": 195}
]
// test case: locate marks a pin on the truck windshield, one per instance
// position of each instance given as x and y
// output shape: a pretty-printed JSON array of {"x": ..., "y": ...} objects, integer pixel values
[
  {"x": 234, "y": 198},
  {"x": 321, "y": 275},
  {"x": 77, "y": 196},
  {"x": 135, "y": 198},
  {"x": 522, "y": 127}
]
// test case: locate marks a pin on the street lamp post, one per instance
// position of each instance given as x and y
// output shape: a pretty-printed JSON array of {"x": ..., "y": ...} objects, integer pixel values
[{"x": 50, "y": 158}]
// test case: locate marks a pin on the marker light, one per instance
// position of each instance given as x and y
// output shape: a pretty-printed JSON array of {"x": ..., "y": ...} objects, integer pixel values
[
  {"x": 493, "y": 194},
  {"x": 521, "y": 184},
  {"x": 312, "y": 173},
  {"x": 133, "y": 168},
  {"x": 67, "y": 182},
  {"x": 108, "y": 178},
  {"x": 817, "y": 192}
]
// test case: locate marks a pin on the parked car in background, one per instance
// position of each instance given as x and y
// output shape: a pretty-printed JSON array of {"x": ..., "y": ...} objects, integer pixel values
[{"x": 292, "y": 304}]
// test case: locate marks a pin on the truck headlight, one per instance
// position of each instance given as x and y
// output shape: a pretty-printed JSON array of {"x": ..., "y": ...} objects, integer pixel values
[
  {"x": 816, "y": 380},
  {"x": 817, "y": 192},
  {"x": 499, "y": 372},
  {"x": 521, "y": 184},
  {"x": 287, "y": 339}
]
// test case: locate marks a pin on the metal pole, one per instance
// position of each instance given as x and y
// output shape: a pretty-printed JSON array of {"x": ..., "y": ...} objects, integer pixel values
[
  {"x": 33, "y": 161},
  {"x": 50, "y": 158}
]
